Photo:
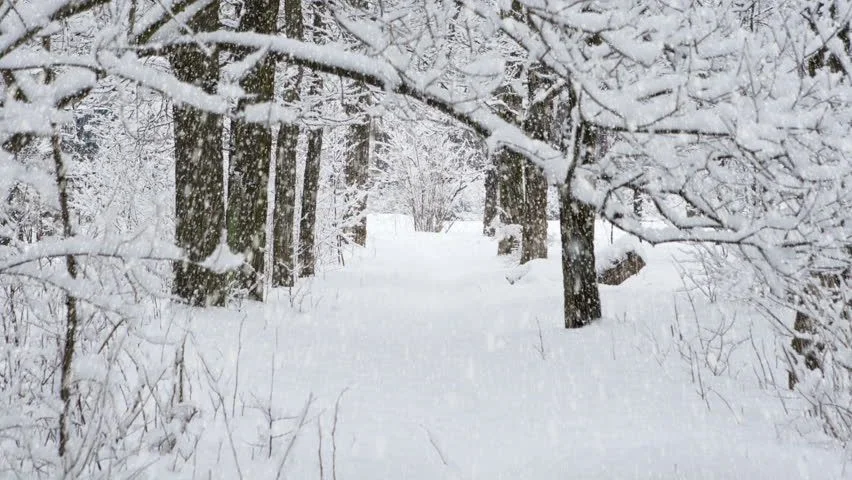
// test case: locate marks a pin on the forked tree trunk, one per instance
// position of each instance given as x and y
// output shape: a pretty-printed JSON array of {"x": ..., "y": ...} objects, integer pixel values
[
  {"x": 250, "y": 160},
  {"x": 199, "y": 177},
  {"x": 283, "y": 259}
]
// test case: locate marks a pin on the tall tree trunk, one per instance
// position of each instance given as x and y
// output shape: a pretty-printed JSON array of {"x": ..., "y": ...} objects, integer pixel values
[
  {"x": 510, "y": 176},
  {"x": 539, "y": 125},
  {"x": 357, "y": 159},
  {"x": 66, "y": 376},
  {"x": 579, "y": 282},
  {"x": 491, "y": 201},
  {"x": 535, "y": 214},
  {"x": 250, "y": 159},
  {"x": 284, "y": 262},
  {"x": 582, "y": 302},
  {"x": 310, "y": 185},
  {"x": 307, "y": 225},
  {"x": 199, "y": 177},
  {"x": 356, "y": 172}
]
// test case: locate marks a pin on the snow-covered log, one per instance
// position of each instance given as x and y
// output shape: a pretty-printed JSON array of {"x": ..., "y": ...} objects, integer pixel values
[{"x": 622, "y": 267}]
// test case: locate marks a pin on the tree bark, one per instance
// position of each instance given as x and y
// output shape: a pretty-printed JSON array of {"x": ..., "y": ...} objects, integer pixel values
[
  {"x": 310, "y": 185},
  {"x": 491, "y": 201},
  {"x": 356, "y": 174},
  {"x": 510, "y": 175},
  {"x": 199, "y": 176},
  {"x": 71, "y": 318},
  {"x": 539, "y": 125},
  {"x": 510, "y": 179},
  {"x": 284, "y": 262},
  {"x": 250, "y": 158},
  {"x": 357, "y": 160},
  {"x": 579, "y": 282},
  {"x": 307, "y": 225},
  {"x": 582, "y": 303},
  {"x": 535, "y": 214}
]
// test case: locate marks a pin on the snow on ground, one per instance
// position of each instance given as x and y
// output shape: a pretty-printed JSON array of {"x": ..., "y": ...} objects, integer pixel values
[{"x": 445, "y": 370}]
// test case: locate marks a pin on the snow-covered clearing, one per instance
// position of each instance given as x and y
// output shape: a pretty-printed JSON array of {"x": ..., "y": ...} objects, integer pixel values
[{"x": 449, "y": 372}]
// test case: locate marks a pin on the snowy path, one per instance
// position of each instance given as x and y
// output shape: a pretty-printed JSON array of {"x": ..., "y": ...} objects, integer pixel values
[{"x": 440, "y": 356}]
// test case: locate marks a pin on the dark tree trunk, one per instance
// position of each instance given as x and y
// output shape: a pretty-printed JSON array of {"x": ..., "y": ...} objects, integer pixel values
[
  {"x": 510, "y": 178},
  {"x": 535, "y": 214},
  {"x": 491, "y": 201},
  {"x": 577, "y": 227},
  {"x": 579, "y": 282},
  {"x": 250, "y": 159},
  {"x": 510, "y": 175},
  {"x": 539, "y": 125},
  {"x": 355, "y": 171},
  {"x": 199, "y": 177},
  {"x": 307, "y": 226},
  {"x": 284, "y": 262},
  {"x": 310, "y": 186},
  {"x": 357, "y": 159}
]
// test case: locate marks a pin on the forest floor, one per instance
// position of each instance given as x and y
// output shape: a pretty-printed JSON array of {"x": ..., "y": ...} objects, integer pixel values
[{"x": 442, "y": 369}]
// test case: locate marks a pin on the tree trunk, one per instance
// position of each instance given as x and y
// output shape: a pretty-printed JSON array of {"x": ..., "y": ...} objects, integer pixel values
[
  {"x": 357, "y": 159},
  {"x": 251, "y": 156},
  {"x": 307, "y": 225},
  {"x": 577, "y": 227},
  {"x": 510, "y": 176},
  {"x": 283, "y": 263},
  {"x": 355, "y": 171},
  {"x": 310, "y": 186},
  {"x": 491, "y": 201},
  {"x": 71, "y": 318},
  {"x": 579, "y": 282},
  {"x": 539, "y": 125},
  {"x": 199, "y": 177},
  {"x": 535, "y": 214},
  {"x": 283, "y": 259}
]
